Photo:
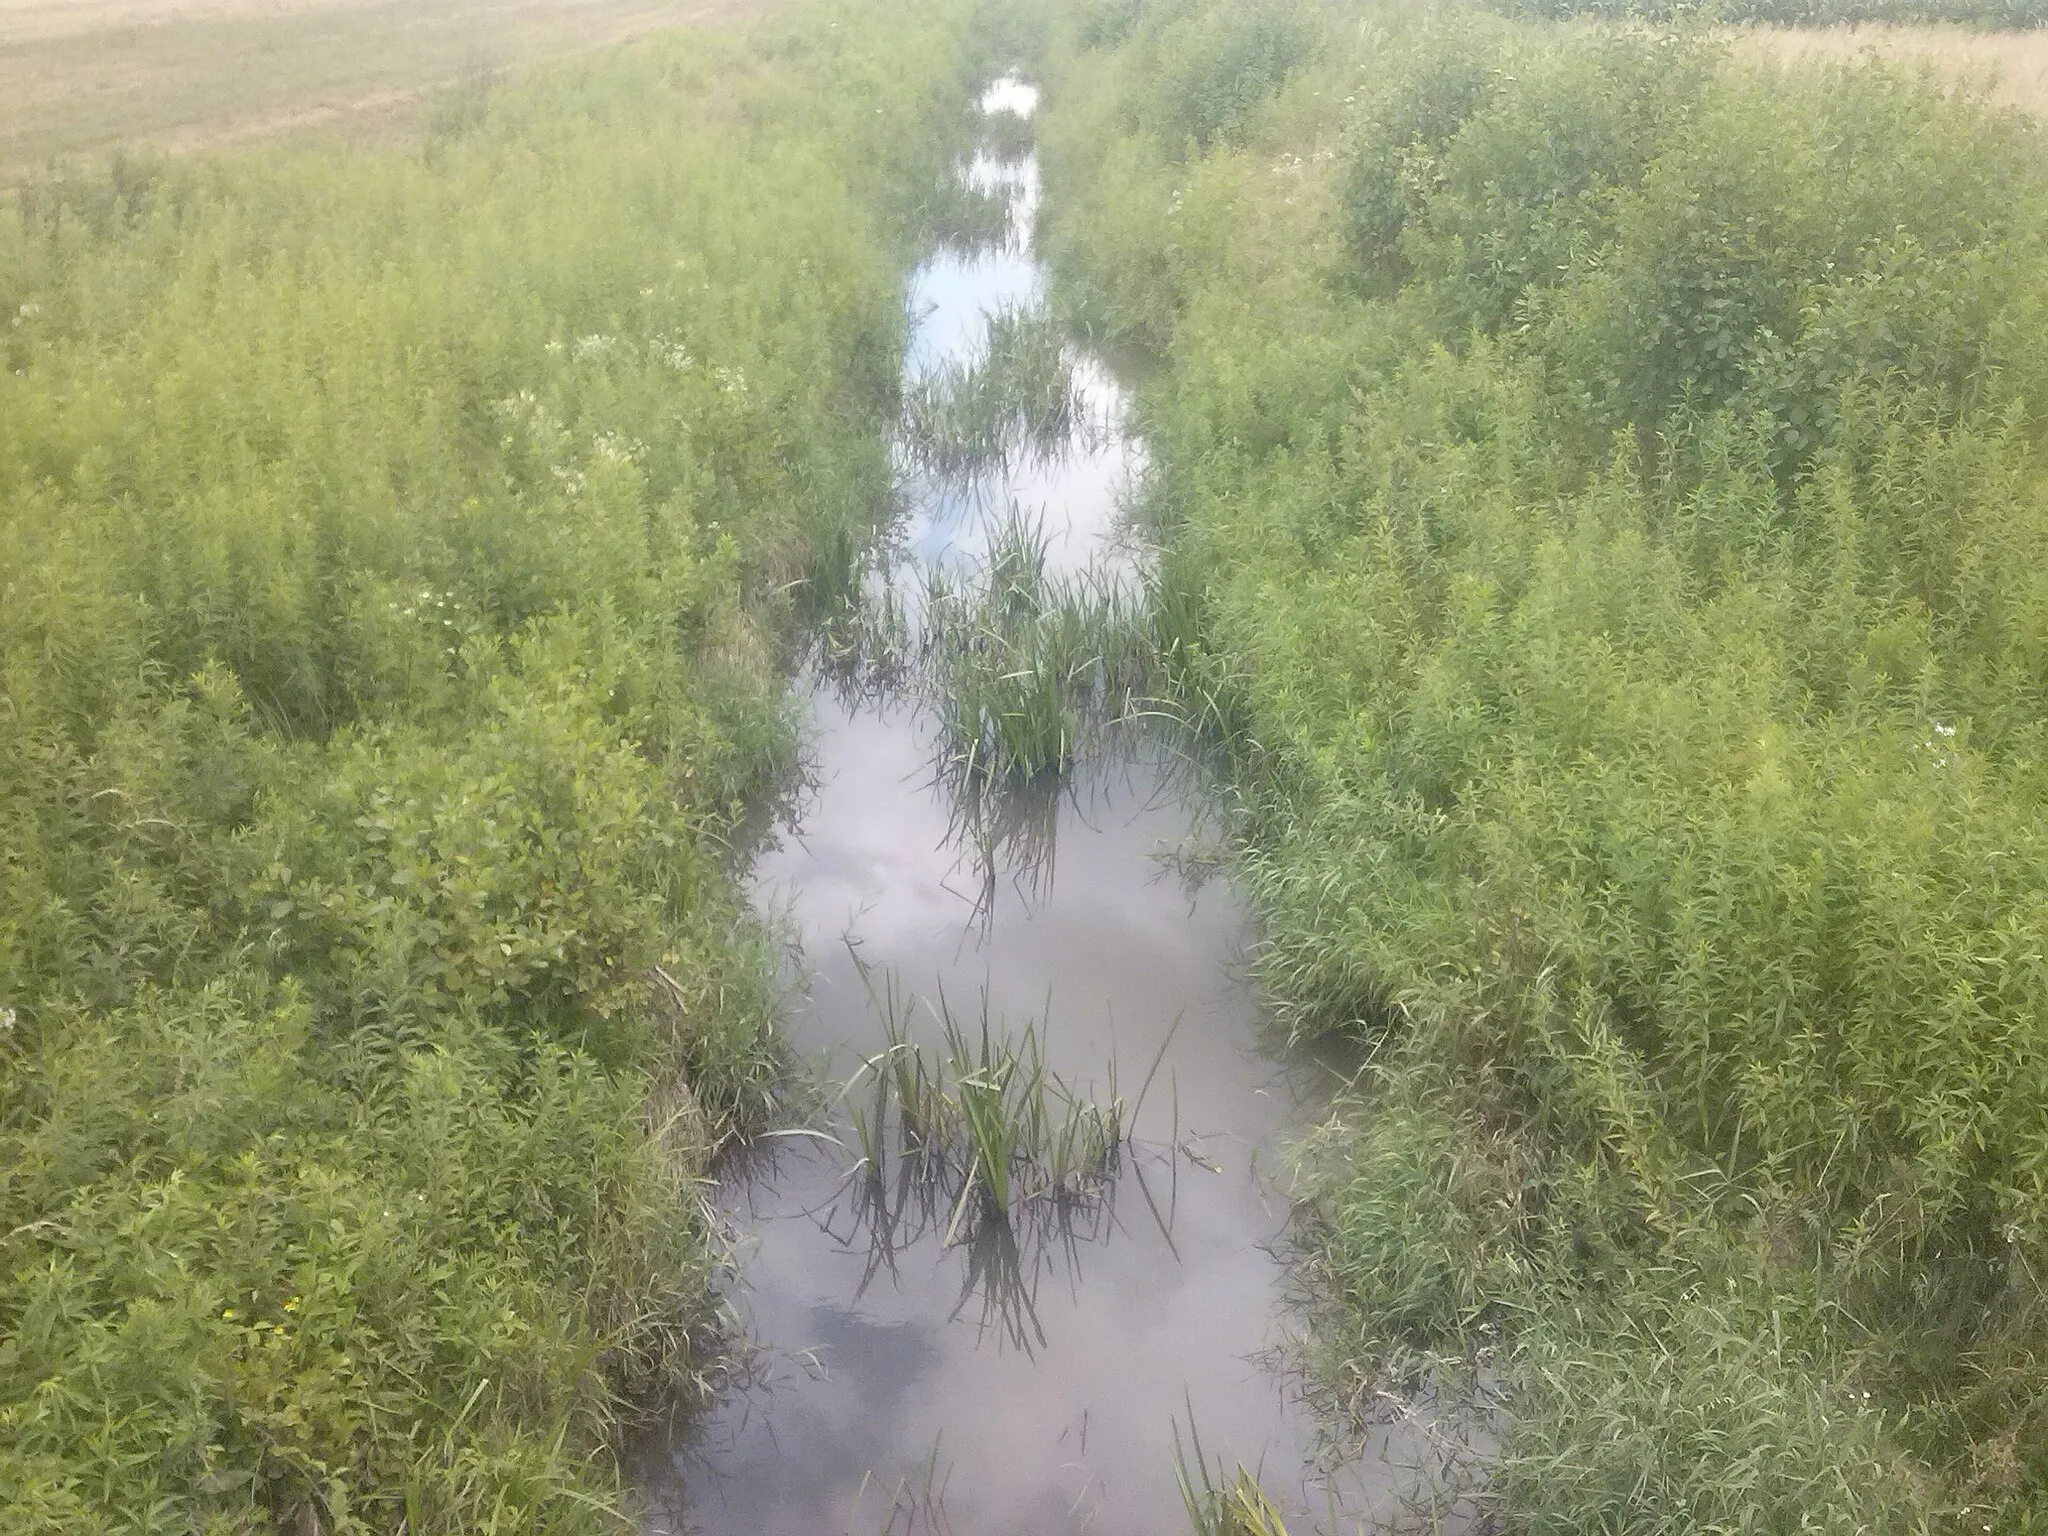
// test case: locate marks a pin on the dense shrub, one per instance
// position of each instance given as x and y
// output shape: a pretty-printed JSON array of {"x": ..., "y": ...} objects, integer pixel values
[
  {"x": 1602, "y": 492},
  {"x": 386, "y": 543},
  {"x": 1772, "y": 210},
  {"x": 1216, "y": 68},
  {"x": 1534, "y": 177},
  {"x": 1396, "y": 162}
]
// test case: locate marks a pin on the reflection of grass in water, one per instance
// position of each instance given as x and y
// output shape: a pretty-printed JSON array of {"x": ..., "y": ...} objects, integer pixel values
[
  {"x": 960, "y": 216},
  {"x": 1024, "y": 672},
  {"x": 863, "y": 649},
  {"x": 1003, "y": 827}
]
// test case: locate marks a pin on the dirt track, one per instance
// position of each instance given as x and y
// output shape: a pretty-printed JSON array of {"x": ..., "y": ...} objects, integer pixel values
[{"x": 81, "y": 77}]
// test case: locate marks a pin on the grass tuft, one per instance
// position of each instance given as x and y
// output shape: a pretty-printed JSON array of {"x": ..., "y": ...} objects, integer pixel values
[
  {"x": 982, "y": 1115},
  {"x": 1016, "y": 396},
  {"x": 1220, "y": 1500}
]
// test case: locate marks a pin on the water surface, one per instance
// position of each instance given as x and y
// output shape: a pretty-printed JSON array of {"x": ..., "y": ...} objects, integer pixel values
[{"x": 1034, "y": 1383}]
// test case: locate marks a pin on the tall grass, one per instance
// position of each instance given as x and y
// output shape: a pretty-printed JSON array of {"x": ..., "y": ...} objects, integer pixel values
[
  {"x": 389, "y": 556},
  {"x": 1025, "y": 667},
  {"x": 972, "y": 1141},
  {"x": 1596, "y": 474}
]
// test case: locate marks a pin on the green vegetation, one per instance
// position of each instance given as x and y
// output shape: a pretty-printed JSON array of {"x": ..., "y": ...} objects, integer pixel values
[
  {"x": 1599, "y": 501},
  {"x": 964, "y": 216},
  {"x": 974, "y": 1141},
  {"x": 982, "y": 1117},
  {"x": 1024, "y": 666},
  {"x": 1221, "y": 1500},
  {"x": 1016, "y": 396},
  {"x": 393, "y": 554},
  {"x": 1600, "y": 494}
]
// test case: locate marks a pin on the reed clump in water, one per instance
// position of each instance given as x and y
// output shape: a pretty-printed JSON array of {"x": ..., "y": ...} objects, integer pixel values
[
  {"x": 1008, "y": 135},
  {"x": 965, "y": 215},
  {"x": 972, "y": 1142},
  {"x": 1221, "y": 1500},
  {"x": 1024, "y": 666},
  {"x": 1017, "y": 393},
  {"x": 981, "y": 1116}
]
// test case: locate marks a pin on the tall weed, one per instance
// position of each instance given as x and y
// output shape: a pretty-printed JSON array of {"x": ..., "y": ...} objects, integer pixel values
[
  {"x": 393, "y": 549},
  {"x": 1594, "y": 474}
]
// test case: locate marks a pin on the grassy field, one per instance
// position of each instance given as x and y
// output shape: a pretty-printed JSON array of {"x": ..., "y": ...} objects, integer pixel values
[
  {"x": 80, "y": 79},
  {"x": 1599, "y": 478}
]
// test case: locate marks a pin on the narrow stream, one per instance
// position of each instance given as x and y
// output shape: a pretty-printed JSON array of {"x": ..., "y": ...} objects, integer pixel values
[{"x": 1031, "y": 1384}]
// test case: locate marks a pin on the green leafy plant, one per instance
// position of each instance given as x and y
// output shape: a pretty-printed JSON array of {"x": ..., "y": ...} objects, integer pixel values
[
  {"x": 396, "y": 548},
  {"x": 1592, "y": 473}
]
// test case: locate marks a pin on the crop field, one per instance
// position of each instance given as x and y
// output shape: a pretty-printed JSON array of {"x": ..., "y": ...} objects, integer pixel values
[
  {"x": 78, "y": 79},
  {"x": 2009, "y": 68}
]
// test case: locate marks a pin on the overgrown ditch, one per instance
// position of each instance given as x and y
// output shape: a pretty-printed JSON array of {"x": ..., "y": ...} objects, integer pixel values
[{"x": 1030, "y": 1246}]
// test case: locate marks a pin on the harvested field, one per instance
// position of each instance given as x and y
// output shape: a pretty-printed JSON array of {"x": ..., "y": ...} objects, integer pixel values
[
  {"x": 80, "y": 80},
  {"x": 2011, "y": 67}
]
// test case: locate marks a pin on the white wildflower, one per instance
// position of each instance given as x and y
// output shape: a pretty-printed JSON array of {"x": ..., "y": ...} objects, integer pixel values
[
  {"x": 670, "y": 353},
  {"x": 616, "y": 449}
]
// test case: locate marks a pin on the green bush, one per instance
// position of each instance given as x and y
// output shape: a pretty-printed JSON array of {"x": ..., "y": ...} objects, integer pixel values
[
  {"x": 389, "y": 554},
  {"x": 1774, "y": 209},
  {"x": 1532, "y": 178},
  {"x": 1414, "y": 113},
  {"x": 1601, "y": 482},
  {"x": 1219, "y": 64}
]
